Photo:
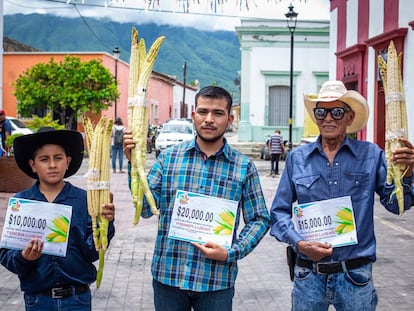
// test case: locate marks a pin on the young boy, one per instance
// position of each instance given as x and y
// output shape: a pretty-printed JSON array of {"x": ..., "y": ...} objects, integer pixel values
[{"x": 52, "y": 282}]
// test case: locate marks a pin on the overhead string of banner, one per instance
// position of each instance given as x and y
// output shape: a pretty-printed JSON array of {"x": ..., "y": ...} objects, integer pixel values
[{"x": 190, "y": 6}]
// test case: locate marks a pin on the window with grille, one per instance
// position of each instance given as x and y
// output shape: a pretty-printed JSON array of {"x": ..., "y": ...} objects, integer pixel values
[{"x": 278, "y": 106}]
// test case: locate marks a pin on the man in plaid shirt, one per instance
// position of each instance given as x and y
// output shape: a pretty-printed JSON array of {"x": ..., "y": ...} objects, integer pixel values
[{"x": 187, "y": 274}]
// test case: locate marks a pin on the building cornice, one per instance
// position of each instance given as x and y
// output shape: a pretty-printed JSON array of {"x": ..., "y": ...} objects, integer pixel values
[
  {"x": 379, "y": 40},
  {"x": 357, "y": 48}
]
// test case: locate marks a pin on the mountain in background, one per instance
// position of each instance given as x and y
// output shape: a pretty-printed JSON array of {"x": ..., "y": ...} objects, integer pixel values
[{"x": 211, "y": 57}]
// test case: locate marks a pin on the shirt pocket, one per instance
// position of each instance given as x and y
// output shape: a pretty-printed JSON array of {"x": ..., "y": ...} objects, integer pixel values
[
  {"x": 355, "y": 184},
  {"x": 228, "y": 188},
  {"x": 306, "y": 187}
]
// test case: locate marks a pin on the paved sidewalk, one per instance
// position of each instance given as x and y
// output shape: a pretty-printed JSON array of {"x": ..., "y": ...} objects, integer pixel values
[{"x": 263, "y": 282}]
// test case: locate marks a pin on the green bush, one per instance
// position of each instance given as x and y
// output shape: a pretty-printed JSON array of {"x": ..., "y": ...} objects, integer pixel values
[
  {"x": 9, "y": 142},
  {"x": 10, "y": 139},
  {"x": 38, "y": 122}
]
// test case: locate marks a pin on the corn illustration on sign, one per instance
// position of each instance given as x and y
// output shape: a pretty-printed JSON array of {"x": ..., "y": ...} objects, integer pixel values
[
  {"x": 345, "y": 221},
  {"x": 59, "y": 230},
  {"x": 202, "y": 218},
  {"x": 27, "y": 219},
  {"x": 225, "y": 223}
]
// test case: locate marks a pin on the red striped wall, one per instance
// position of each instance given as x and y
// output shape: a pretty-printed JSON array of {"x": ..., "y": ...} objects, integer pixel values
[{"x": 390, "y": 14}]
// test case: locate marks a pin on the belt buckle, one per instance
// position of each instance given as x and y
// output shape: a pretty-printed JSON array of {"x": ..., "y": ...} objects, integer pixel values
[
  {"x": 57, "y": 292},
  {"x": 317, "y": 264},
  {"x": 320, "y": 264},
  {"x": 328, "y": 265}
]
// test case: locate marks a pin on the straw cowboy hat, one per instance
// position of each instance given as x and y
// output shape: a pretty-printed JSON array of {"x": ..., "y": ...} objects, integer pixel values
[
  {"x": 335, "y": 90},
  {"x": 25, "y": 146}
]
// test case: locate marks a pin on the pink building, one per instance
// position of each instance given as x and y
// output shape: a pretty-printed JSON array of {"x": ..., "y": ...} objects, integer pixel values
[
  {"x": 161, "y": 87},
  {"x": 160, "y": 98},
  {"x": 15, "y": 63}
]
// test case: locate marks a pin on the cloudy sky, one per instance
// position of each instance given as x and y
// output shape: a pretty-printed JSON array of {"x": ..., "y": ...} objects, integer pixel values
[{"x": 203, "y": 14}]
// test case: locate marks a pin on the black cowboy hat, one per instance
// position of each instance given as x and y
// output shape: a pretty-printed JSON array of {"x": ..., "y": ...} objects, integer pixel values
[{"x": 25, "y": 146}]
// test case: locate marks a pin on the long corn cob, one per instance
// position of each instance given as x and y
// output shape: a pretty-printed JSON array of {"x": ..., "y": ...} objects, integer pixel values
[
  {"x": 93, "y": 207},
  {"x": 141, "y": 65},
  {"x": 98, "y": 141},
  {"x": 395, "y": 117}
]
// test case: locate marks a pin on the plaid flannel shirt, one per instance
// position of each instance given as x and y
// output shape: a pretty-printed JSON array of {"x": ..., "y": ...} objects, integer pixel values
[{"x": 227, "y": 175}]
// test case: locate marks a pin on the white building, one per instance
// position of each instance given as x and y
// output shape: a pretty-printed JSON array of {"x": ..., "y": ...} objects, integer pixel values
[
  {"x": 178, "y": 109},
  {"x": 265, "y": 74}
]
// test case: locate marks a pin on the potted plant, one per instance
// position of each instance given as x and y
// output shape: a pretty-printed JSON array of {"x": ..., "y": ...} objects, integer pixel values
[
  {"x": 12, "y": 179},
  {"x": 9, "y": 143}
]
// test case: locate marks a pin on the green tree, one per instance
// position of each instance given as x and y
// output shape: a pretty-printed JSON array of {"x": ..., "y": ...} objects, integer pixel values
[{"x": 67, "y": 88}]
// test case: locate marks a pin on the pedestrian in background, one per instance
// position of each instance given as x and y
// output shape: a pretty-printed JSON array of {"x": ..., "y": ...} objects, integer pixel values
[
  {"x": 117, "y": 141},
  {"x": 332, "y": 167},
  {"x": 202, "y": 276},
  {"x": 5, "y": 131},
  {"x": 276, "y": 149},
  {"x": 50, "y": 282}
]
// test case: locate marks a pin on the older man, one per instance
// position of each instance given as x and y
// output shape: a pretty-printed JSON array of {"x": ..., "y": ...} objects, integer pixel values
[{"x": 334, "y": 168}]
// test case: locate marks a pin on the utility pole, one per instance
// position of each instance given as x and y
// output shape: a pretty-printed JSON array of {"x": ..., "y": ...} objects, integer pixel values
[
  {"x": 184, "y": 81},
  {"x": 116, "y": 52}
]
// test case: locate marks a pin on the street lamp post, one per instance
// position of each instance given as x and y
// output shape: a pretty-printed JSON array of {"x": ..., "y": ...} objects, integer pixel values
[
  {"x": 291, "y": 23},
  {"x": 116, "y": 52}
]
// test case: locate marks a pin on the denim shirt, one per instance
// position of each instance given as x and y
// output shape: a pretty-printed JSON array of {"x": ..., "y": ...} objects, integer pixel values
[
  {"x": 358, "y": 170},
  {"x": 228, "y": 175},
  {"x": 53, "y": 271}
]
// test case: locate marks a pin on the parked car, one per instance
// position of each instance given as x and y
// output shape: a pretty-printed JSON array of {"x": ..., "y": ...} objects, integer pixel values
[
  {"x": 174, "y": 132},
  {"x": 18, "y": 127},
  {"x": 264, "y": 152}
]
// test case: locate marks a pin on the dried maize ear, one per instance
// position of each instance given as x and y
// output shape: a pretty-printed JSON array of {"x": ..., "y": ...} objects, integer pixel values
[{"x": 395, "y": 117}]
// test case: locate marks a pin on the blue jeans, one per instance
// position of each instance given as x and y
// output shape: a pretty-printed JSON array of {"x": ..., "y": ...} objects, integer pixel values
[
  {"x": 168, "y": 298},
  {"x": 117, "y": 151},
  {"x": 352, "y": 290},
  {"x": 77, "y": 302}
]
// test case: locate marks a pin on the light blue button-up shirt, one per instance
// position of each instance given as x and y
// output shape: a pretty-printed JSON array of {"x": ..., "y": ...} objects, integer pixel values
[{"x": 358, "y": 170}]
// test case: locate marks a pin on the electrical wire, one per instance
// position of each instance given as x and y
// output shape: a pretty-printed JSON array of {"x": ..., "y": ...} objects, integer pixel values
[
  {"x": 90, "y": 28},
  {"x": 37, "y": 7},
  {"x": 157, "y": 9},
  {"x": 65, "y": 7}
]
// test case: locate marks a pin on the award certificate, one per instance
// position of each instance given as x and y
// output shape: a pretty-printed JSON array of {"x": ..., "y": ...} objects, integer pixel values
[
  {"x": 28, "y": 219},
  {"x": 201, "y": 218},
  {"x": 329, "y": 221}
]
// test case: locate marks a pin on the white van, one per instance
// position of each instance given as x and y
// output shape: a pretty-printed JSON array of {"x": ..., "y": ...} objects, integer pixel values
[
  {"x": 18, "y": 127},
  {"x": 174, "y": 132}
]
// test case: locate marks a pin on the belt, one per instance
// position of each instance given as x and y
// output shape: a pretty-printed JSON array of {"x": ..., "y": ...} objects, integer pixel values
[
  {"x": 330, "y": 267},
  {"x": 65, "y": 291}
]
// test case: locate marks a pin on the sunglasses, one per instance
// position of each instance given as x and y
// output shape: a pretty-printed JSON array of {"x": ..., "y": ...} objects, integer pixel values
[{"x": 337, "y": 113}]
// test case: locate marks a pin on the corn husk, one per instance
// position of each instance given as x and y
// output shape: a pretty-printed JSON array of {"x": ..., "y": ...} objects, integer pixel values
[{"x": 395, "y": 117}]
